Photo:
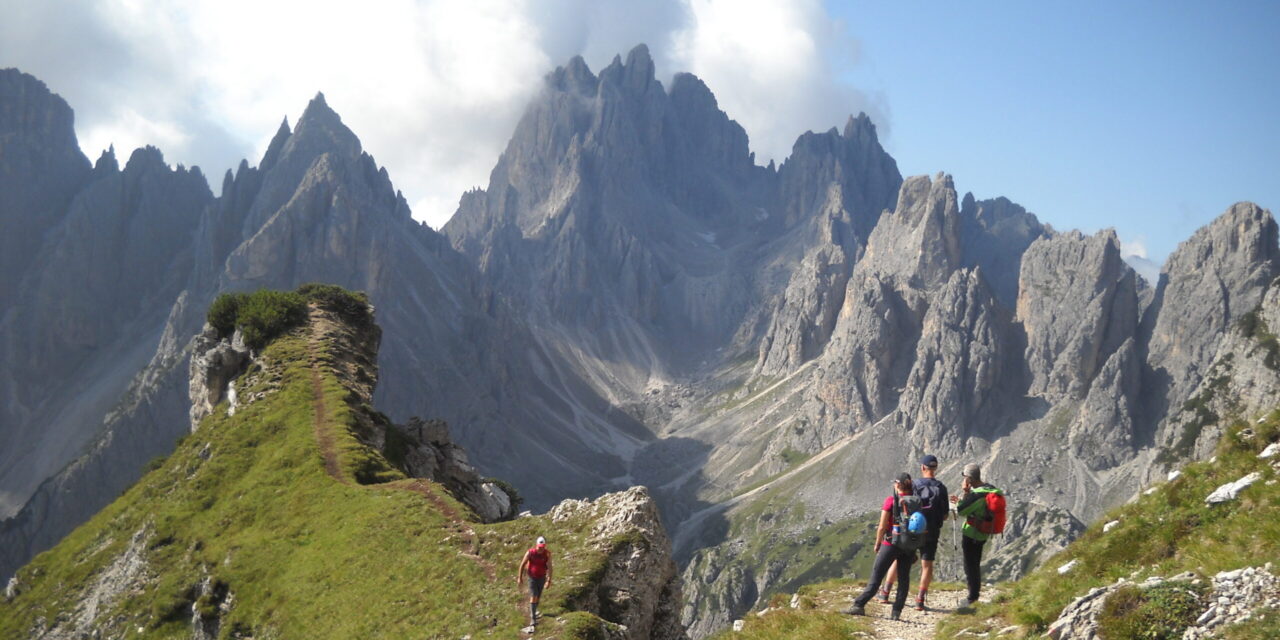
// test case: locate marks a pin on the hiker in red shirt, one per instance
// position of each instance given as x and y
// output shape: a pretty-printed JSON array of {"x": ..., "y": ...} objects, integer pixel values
[
  {"x": 537, "y": 564},
  {"x": 892, "y": 518}
]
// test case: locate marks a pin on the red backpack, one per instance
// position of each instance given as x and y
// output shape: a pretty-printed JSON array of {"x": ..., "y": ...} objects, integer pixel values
[{"x": 993, "y": 521}]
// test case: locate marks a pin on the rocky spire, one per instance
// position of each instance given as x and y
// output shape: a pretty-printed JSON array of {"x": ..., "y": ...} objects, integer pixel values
[
  {"x": 1077, "y": 303},
  {"x": 277, "y": 145}
]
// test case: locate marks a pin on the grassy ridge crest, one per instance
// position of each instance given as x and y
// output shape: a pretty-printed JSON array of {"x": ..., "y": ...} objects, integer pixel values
[{"x": 243, "y": 528}]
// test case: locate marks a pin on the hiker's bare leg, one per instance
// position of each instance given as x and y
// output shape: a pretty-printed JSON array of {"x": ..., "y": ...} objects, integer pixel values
[{"x": 926, "y": 576}]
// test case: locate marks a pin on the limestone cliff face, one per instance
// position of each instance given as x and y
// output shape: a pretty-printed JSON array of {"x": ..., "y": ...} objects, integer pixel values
[
  {"x": 1212, "y": 279},
  {"x": 961, "y": 367},
  {"x": 911, "y": 253},
  {"x": 40, "y": 171},
  {"x": 836, "y": 186},
  {"x": 86, "y": 314},
  {"x": 1077, "y": 304}
]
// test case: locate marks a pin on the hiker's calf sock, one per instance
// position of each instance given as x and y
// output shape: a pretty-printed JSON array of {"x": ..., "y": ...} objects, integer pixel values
[{"x": 533, "y": 611}]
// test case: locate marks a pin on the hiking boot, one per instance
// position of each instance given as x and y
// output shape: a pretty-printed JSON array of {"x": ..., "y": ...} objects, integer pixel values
[
  {"x": 896, "y": 615},
  {"x": 855, "y": 609},
  {"x": 883, "y": 596},
  {"x": 920, "y": 604}
]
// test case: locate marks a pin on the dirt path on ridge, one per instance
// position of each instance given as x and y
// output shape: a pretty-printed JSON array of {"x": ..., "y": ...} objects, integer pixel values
[
  {"x": 323, "y": 437},
  {"x": 328, "y": 450}
]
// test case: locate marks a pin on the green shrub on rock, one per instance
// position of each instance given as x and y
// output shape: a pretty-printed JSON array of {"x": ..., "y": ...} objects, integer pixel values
[
  {"x": 224, "y": 311},
  {"x": 266, "y": 314}
]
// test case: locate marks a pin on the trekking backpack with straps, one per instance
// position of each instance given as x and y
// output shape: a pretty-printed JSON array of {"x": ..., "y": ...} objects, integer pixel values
[
  {"x": 933, "y": 501},
  {"x": 912, "y": 527},
  {"x": 993, "y": 521}
]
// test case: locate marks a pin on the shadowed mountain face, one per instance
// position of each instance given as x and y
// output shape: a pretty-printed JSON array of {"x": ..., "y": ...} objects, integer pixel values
[{"x": 632, "y": 300}]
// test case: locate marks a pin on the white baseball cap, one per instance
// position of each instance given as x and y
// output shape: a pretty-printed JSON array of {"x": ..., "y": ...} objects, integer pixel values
[{"x": 542, "y": 542}]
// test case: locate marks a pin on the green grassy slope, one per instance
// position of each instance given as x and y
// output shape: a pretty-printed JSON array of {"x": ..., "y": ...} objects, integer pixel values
[
  {"x": 245, "y": 507},
  {"x": 1166, "y": 532}
]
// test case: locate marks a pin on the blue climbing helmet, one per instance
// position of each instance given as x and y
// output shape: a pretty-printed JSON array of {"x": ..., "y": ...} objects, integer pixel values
[{"x": 917, "y": 523}]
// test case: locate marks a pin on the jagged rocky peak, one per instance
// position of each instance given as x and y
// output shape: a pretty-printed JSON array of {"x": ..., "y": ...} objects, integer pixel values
[
  {"x": 277, "y": 145},
  {"x": 1103, "y": 434},
  {"x": 959, "y": 367},
  {"x": 995, "y": 233},
  {"x": 573, "y": 77},
  {"x": 919, "y": 243},
  {"x": 1078, "y": 303},
  {"x": 867, "y": 177},
  {"x": 636, "y": 76},
  {"x": 1210, "y": 280},
  {"x": 107, "y": 163},
  {"x": 321, "y": 125},
  {"x": 30, "y": 113}
]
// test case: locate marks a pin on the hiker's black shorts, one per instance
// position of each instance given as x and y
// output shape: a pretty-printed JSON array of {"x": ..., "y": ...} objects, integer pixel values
[
  {"x": 535, "y": 586},
  {"x": 929, "y": 549}
]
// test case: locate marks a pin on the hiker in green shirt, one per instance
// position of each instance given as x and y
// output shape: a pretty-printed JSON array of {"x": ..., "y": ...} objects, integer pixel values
[{"x": 983, "y": 517}]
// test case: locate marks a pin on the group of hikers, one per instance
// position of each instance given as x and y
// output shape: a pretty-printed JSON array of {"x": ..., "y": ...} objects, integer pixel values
[{"x": 910, "y": 523}]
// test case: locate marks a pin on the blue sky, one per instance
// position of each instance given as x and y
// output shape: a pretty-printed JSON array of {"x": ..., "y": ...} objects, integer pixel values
[{"x": 1152, "y": 118}]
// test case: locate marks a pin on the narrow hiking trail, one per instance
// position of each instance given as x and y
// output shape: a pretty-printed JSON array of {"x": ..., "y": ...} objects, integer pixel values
[
  {"x": 322, "y": 426},
  {"x": 323, "y": 437},
  {"x": 914, "y": 625}
]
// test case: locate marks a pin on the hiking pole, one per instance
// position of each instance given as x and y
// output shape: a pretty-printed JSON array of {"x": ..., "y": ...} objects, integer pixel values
[{"x": 955, "y": 543}]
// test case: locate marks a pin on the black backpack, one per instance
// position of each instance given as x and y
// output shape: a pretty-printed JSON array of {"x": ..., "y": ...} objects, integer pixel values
[
  {"x": 904, "y": 539},
  {"x": 933, "y": 498}
]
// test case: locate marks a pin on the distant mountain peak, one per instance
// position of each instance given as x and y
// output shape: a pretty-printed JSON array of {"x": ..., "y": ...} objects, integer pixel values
[
  {"x": 107, "y": 162},
  {"x": 860, "y": 126},
  {"x": 318, "y": 109},
  {"x": 277, "y": 144}
]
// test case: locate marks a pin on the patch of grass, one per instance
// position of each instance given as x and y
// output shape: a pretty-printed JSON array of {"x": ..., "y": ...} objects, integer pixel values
[
  {"x": 1265, "y": 625},
  {"x": 1168, "y": 532},
  {"x": 579, "y": 625},
  {"x": 790, "y": 624},
  {"x": 791, "y": 457},
  {"x": 1161, "y": 612},
  {"x": 816, "y": 617}
]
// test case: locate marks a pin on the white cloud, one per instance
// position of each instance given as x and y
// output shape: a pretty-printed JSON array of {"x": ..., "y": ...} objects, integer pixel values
[
  {"x": 433, "y": 88},
  {"x": 772, "y": 66},
  {"x": 1136, "y": 246}
]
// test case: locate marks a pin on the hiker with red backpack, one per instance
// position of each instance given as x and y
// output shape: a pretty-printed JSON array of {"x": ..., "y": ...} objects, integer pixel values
[
  {"x": 901, "y": 532},
  {"x": 983, "y": 507},
  {"x": 536, "y": 564},
  {"x": 934, "y": 505}
]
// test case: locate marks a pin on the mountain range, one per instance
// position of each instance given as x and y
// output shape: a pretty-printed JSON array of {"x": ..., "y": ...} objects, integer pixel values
[{"x": 632, "y": 299}]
